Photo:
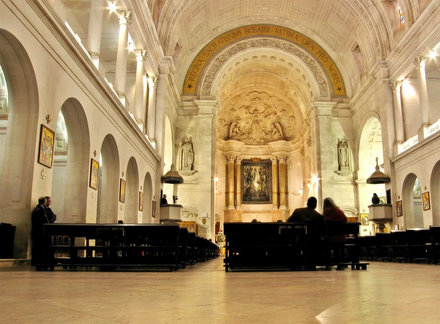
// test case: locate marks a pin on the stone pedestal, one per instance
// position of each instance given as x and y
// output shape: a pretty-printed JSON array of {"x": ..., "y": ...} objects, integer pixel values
[
  {"x": 380, "y": 214},
  {"x": 171, "y": 213}
]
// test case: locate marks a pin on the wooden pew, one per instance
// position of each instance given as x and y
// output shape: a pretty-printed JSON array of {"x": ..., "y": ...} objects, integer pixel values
[
  {"x": 109, "y": 246},
  {"x": 288, "y": 245}
]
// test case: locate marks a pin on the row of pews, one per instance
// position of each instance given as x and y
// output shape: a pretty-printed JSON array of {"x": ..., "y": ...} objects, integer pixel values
[
  {"x": 411, "y": 245},
  {"x": 115, "y": 246},
  {"x": 291, "y": 246}
]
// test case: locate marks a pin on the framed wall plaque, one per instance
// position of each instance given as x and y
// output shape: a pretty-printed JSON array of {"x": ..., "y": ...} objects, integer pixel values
[
  {"x": 46, "y": 147},
  {"x": 399, "y": 208},
  {"x": 141, "y": 201},
  {"x": 256, "y": 182},
  {"x": 122, "y": 185},
  {"x": 94, "y": 174},
  {"x": 425, "y": 200}
]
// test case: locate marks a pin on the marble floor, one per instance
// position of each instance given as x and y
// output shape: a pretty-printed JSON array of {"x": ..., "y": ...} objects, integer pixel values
[{"x": 204, "y": 293}]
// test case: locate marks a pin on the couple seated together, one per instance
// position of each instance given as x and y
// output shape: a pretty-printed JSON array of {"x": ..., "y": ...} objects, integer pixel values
[{"x": 307, "y": 215}]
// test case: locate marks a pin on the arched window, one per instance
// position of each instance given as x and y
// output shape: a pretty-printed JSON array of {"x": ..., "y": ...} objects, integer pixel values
[{"x": 3, "y": 93}]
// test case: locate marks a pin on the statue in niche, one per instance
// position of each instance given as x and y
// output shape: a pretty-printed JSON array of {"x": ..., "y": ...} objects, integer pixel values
[
  {"x": 187, "y": 154},
  {"x": 343, "y": 161}
]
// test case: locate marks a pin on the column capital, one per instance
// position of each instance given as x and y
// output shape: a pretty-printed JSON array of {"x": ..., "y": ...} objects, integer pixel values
[
  {"x": 396, "y": 84},
  {"x": 238, "y": 159},
  {"x": 419, "y": 60},
  {"x": 230, "y": 158},
  {"x": 324, "y": 108},
  {"x": 125, "y": 17},
  {"x": 282, "y": 158},
  {"x": 140, "y": 55}
]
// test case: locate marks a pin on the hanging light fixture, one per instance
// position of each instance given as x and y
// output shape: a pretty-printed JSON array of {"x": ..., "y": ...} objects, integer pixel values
[{"x": 378, "y": 176}]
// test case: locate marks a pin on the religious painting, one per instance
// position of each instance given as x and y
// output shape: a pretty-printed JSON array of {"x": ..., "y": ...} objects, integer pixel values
[
  {"x": 399, "y": 208},
  {"x": 256, "y": 181},
  {"x": 153, "y": 208},
  {"x": 122, "y": 185},
  {"x": 47, "y": 141},
  {"x": 94, "y": 174},
  {"x": 425, "y": 200},
  {"x": 141, "y": 201},
  {"x": 364, "y": 219}
]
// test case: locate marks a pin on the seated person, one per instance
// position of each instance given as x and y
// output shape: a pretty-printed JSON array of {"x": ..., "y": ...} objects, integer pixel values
[
  {"x": 307, "y": 214},
  {"x": 310, "y": 245}
]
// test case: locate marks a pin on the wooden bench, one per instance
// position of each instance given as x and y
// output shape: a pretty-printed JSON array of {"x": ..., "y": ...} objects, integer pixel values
[
  {"x": 288, "y": 245},
  {"x": 109, "y": 246}
]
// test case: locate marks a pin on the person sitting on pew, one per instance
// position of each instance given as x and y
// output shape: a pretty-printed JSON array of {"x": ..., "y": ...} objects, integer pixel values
[
  {"x": 308, "y": 214},
  {"x": 333, "y": 215},
  {"x": 310, "y": 245}
]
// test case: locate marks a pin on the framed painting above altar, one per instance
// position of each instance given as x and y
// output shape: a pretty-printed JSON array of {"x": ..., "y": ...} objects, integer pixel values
[{"x": 256, "y": 181}]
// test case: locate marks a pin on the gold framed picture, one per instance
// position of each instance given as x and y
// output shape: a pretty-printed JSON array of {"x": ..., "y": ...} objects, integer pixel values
[
  {"x": 256, "y": 184},
  {"x": 46, "y": 148},
  {"x": 122, "y": 185},
  {"x": 94, "y": 174},
  {"x": 153, "y": 208},
  {"x": 399, "y": 208},
  {"x": 141, "y": 201},
  {"x": 364, "y": 219},
  {"x": 425, "y": 201}
]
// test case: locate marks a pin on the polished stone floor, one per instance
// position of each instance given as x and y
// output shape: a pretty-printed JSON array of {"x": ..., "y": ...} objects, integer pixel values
[{"x": 204, "y": 293}]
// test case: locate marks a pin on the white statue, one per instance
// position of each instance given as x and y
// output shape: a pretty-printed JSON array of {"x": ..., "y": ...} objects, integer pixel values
[
  {"x": 343, "y": 162},
  {"x": 187, "y": 154}
]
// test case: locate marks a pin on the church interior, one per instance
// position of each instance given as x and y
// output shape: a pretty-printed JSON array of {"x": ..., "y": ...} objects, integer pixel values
[{"x": 236, "y": 111}]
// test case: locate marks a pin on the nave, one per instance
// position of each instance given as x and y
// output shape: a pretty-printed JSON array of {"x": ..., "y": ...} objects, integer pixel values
[{"x": 205, "y": 293}]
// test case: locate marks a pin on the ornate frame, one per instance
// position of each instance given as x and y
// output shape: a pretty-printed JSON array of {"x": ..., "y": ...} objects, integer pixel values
[{"x": 256, "y": 181}]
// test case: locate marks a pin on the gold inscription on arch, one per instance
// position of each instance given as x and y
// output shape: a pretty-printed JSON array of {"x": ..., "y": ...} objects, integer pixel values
[{"x": 196, "y": 67}]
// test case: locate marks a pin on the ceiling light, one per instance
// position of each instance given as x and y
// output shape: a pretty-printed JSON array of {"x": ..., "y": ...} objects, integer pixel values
[{"x": 112, "y": 6}]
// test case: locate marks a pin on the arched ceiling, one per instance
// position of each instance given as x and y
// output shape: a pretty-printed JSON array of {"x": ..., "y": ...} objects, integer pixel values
[{"x": 186, "y": 26}]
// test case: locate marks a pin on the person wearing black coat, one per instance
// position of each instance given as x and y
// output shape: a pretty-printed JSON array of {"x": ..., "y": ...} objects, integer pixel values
[
  {"x": 51, "y": 217},
  {"x": 39, "y": 217}
]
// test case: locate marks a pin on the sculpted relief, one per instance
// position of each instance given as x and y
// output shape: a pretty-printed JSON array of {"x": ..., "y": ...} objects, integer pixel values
[{"x": 256, "y": 118}]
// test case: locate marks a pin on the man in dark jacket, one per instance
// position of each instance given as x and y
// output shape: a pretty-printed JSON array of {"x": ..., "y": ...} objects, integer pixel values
[
  {"x": 311, "y": 244},
  {"x": 51, "y": 217},
  {"x": 308, "y": 214},
  {"x": 39, "y": 217}
]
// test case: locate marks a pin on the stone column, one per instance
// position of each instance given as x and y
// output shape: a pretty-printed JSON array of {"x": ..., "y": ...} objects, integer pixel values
[
  {"x": 159, "y": 125},
  {"x": 387, "y": 110},
  {"x": 207, "y": 110},
  {"x": 94, "y": 33},
  {"x": 151, "y": 109},
  {"x": 139, "y": 111},
  {"x": 283, "y": 181},
  {"x": 230, "y": 182},
  {"x": 398, "y": 115},
  {"x": 238, "y": 183},
  {"x": 121, "y": 57},
  {"x": 275, "y": 201},
  {"x": 423, "y": 94},
  {"x": 324, "y": 148}
]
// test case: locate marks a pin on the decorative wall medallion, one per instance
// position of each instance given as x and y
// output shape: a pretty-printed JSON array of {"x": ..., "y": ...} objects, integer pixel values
[{"x": 43, "y": 174}]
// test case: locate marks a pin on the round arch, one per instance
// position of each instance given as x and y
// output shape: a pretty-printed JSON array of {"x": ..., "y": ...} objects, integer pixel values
[
  {"x": 412, "y": 202},
  {"x": 71, "y": 166},
  {"x": 369, "y": 148},
  {"x": 18, "y": 144},
  {"x": 148, "y": 198},
  {"x": 108, "y": 182},
  {"x": 435, "y": 192},
  {"x": 197, "y": 67},
  {"x": 131, "y": 192}
]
